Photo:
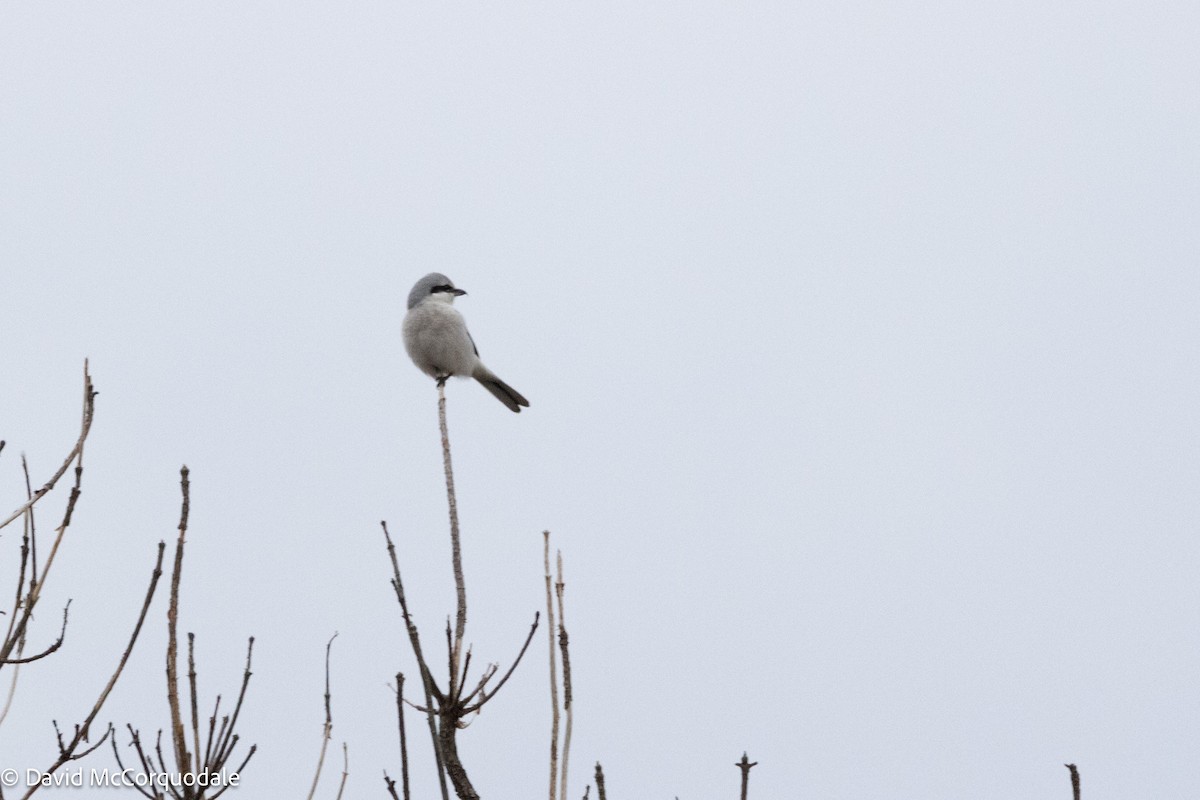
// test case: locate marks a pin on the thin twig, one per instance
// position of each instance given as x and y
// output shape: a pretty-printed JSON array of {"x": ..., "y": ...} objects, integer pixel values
[
  {"x": 52, "y": 648},
  {"x": 745, "y": 765},
  {"x": 345, "y": 770},
  {"x": 212, "y": 724},
  {"x": 89, "y": 407},
  {"x": 414, "y": 638},
  {"x": 31, "y": 525},
  {"x": 26, "y": 550},
  {"x": 460, "y": 624},
  {"x": 195, "y": 705},
  {"x": 328, "y": 729},
  {"x": 1074, "y": 780},
  {"x": 553, "y": 669},
  {"x": 559, "y": 588},
  {"x": 28, "y": 554},
  {"x": 600, "y": 781},
  {"x": 225, "y": 748},
  {"x": 81, "y": 731},
  {"x": 177, "y": 734},
  {"x": 403, "y": 735},
  {"x": 437, "y": 743},
  {"x": 471, "y": 709},
  {"x": 137, "y": 745},
  {"x": 240, "y": 768},
  {"x": 35, "y": 588}
]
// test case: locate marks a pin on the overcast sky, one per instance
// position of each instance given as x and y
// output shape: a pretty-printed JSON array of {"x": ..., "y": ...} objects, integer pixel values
[{"x": 860, "y": 341}]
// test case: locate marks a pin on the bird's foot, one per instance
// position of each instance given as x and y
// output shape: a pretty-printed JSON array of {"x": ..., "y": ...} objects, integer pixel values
[{"x": 441, "y": 380}]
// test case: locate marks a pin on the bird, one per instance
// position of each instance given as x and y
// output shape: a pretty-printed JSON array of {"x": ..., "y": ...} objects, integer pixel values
[{"x": 437, "y": 340}]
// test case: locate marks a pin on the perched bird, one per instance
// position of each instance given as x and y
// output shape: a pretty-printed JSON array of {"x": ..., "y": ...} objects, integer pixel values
[{"x": 436, "y": 338}]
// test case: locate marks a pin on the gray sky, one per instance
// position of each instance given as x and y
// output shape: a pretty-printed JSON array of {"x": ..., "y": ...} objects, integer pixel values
[{"x": 860, "y": 340}]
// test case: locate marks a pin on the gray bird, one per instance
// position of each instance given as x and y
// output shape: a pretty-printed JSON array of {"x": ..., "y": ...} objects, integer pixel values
[{"x": 436, "y": 338}]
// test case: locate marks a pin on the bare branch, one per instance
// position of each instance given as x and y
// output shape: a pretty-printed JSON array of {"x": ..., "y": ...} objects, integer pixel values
[
  {"x": 1074, "y": 780},
  {"x": 445, "y": 711},
  {"x": 178, "y": 737},
  {"x": 460, "y": 624},
  {"x": 239, "y": 769},
  {"x": 32, "y": 595},
  {"x": 212, "y": 724},
  {"x": 437, "y": 742},
  {"x": 28, "y": 558},
  {"x": 222, "y": 740},
  {"x": 225, "y": 746},
  {"x": 413, "y": 636},
  {"x": 328, "y": 730},
  {"x": 744, "y": 765},
  {"x": 89, "y": 407},
  {"x": 68, "y": 753},
  {"x": 553, "y": 669},
  {"x": 488, "y": 696},
  {"x": 195, "y": 706},
  {"x": 559, "y": 588},
  {"x": 345, "y": 771},
  {"x": 403, "y": 735},
  {"x": 135, "y": 743},
  {"x": 52, "y": 648}
]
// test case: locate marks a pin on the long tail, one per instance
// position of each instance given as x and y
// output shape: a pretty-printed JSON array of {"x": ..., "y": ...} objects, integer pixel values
[{"x": 503, "y": 392}]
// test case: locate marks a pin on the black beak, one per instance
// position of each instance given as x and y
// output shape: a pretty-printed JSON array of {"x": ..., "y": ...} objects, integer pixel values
[{"x": 457, "y": 292}]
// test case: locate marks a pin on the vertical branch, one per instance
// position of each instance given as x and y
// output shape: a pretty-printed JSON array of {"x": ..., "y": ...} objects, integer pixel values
[
  {"x": 559, "y": 586},
  {"x": 447, "y": 730},
  {"x": 403, "y": 735},
  {"x": 68, "y": 752},
  {"x": 437, "y": 743},
  {"x": 414, "y": 639},
  {"x": 744, "y": 765},
  {"x": 1074, "y": 780},
  {"x": 600, "y": 782},
  {"x": 195, "y": 705},
  {"x": 19, "y": 622},
  {"x": 177, "y": 733},
  {"x": 28, "y": 559},
  {"x": 26, "y": 549},
  {"x": 460, "y": 624},
  {"x": 446, "y": 710},
  {"x": 30, "y": 526},
  {"x": 553, "y": 669},
  {"x": 345, "y": 770},
  {"x": 328, "y": 729},
  {"x": 76, "y": 454}
]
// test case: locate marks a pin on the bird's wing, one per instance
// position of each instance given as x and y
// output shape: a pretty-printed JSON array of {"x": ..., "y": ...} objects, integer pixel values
[{"x": 472, "y": 340}]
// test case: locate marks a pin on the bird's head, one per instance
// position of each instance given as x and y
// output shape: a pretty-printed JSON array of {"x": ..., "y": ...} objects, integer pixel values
[{"x": 436, "y": 287}]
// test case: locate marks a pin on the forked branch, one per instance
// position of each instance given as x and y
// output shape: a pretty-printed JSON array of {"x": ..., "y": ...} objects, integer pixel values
[
  {"x": 69, "y": 751},
  {"x": 446, "y": 708},
  {"x": 222, "y": 740},
  {"x": 89, "y": 408}
]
